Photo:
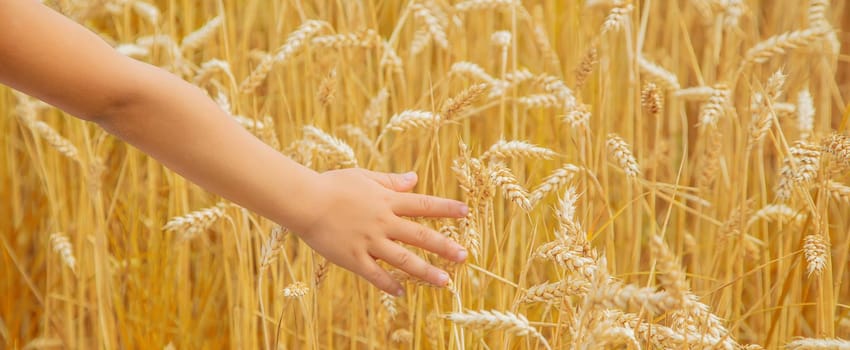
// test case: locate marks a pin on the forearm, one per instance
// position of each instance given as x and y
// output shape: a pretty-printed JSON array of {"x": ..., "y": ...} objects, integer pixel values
[
  {"x": 180, "y": 126},
  {"x": 49, "y": 56}
]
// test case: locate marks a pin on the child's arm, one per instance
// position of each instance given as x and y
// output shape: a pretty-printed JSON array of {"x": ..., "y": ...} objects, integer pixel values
[{"x": 350, "y": 216}]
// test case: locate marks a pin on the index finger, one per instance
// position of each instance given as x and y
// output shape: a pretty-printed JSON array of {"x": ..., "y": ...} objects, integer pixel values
[{"x": 420, "y": 205}]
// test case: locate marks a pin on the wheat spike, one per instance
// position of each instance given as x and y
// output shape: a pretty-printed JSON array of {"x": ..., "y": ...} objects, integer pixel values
[
  {"x": 359, "y": 135},
  {"x": 816, "y": 250},
  {"x": 146, "y": 10},
  {"x": 542, "y": 41},
  {"x": 62, "y": 246},
  {"x": 455, "y": 105},
  {"x": 478, "y": 5},
  {"x": 762, "y": 107},
  {"x": 375, "y": 111},
  {"x": 192, "y": 224},
  {"x": 578, "y": 117},
  {"x": 652, "y": 100},
  {"x": 26, "y": 111},
  {"x": 421, "y": 39},
  {"x": 799, "y": 169},
  {"x": 818, "y": 344},
  {"x": 409, "y": 120},
  {"x": 199, "y": 37},
  {"x": 588, "y": 63},
  {"x": 557, "y": 87},
  {"x": 133, "y": 50},
  {"x": 774, "y": 212},
  {"x": 554, "y": 293},
  {"x": 540, "y": 101},
  {"x": 554, "y": 181},
  {"x": 657, "y": 74},
  {"x": 617, "y": 19},
  {"x": 780, "y": 44},
  {"x": 503, "y": 178},
  {"x": 331, "y": 146},
  {"x": 838, "y": 145},
  {"x": 401, "y": 336},
  {"x": 268, "y": 254},
  {"x": 294, "y": 43},
  {"x": 327, "y": 88},
  {"x": 805, "y": 113},
  {"x": 497, "y": 320},
  {"x": 472, "y": 70},
  {"x": 388, "y": 301},
  {"x": 817, "y": 18},
  {"x": 622, "y": 153},
  {"x": 716, "y": 106},
  {"x": 432, "y": 24},
  {"x": 320, "y": 272},
  {"x": 295, "y": 290},
  {"x": 561, "y": 252},
  {"x": 695, "y": 93},
  {"x": 209, "y": 69},
  {"x": 359, "y": 39},
  {"x": 517, "y": 149},
  {"x": 501, "y": 39}
]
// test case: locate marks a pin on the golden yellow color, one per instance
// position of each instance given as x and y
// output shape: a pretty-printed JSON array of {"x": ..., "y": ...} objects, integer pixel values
[{"x": 641, "y": 174}]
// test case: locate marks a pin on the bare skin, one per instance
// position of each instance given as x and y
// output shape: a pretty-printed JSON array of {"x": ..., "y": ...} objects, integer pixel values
[{"x": 48, "y": 56}]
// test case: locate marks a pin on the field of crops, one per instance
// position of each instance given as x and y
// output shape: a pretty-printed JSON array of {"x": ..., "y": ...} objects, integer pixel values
[{"x": 641, "y": 174}]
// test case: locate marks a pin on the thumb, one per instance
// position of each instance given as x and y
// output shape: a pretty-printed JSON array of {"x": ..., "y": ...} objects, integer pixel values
[{"x": 396, "y": 182}]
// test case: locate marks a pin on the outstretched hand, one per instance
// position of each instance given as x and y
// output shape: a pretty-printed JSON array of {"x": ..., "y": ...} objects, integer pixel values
[{"x": 358, "y": 219}]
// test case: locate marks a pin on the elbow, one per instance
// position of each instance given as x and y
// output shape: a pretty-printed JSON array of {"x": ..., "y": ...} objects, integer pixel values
[
  {"x": 124, "y": 95},
  {"x": 112, "y": 106}
]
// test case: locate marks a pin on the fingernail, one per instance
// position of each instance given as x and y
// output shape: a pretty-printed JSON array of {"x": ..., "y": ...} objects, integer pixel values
[
  {"x": 443, "y": 279},
  {"x": 462, "y": 254},
  {"x": 409, "y": 176},
  {"x": 464, "y": 209},
  {"x": 399, "y": 292}
]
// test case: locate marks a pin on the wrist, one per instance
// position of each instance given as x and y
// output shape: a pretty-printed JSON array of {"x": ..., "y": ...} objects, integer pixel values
[{"x": 305, "y": 204}]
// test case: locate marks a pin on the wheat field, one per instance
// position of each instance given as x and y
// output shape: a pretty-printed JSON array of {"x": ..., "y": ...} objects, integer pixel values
[{"x": 641, "y": 175}]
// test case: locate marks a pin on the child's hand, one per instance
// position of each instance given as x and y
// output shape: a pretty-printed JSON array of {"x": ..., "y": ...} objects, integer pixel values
[{"x": 357, "y": 220}]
